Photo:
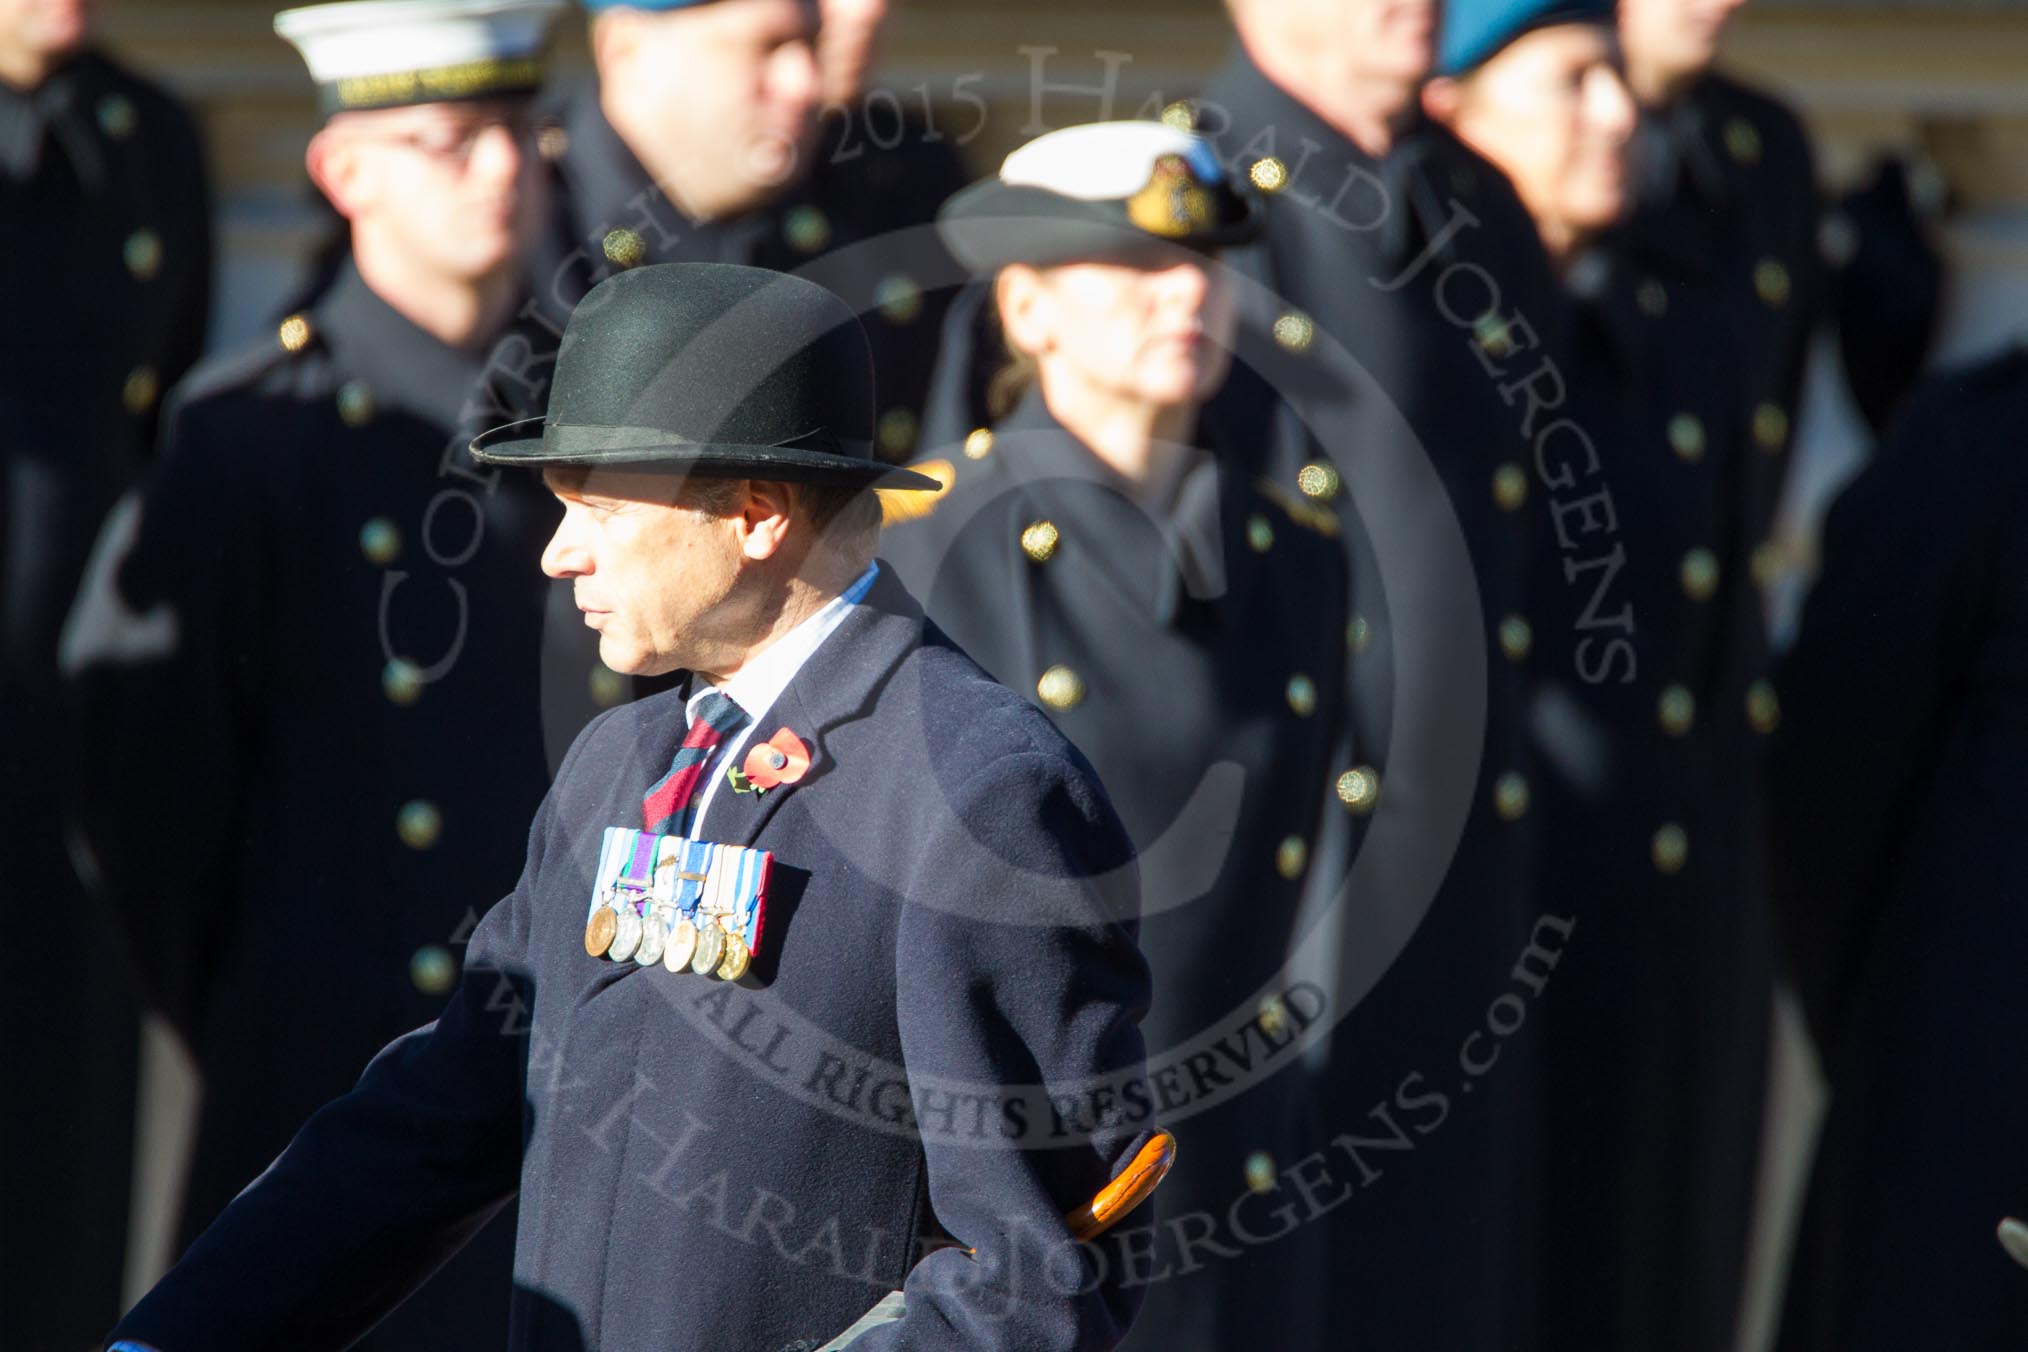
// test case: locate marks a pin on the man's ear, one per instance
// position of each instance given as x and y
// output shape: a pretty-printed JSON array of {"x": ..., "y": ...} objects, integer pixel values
[
  {"x": 1023, "y": 299},
  {"x": 337, "y": 169},
  {"x": 762, "y": 521},
  {"x": 1441, "y": 96}
]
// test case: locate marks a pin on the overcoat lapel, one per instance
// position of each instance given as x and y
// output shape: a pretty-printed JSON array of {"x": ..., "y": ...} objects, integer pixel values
[{"x": 838, "y": 685}]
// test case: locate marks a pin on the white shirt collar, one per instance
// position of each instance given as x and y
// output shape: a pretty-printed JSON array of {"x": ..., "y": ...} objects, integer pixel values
[{"x": 759, "y": 683}]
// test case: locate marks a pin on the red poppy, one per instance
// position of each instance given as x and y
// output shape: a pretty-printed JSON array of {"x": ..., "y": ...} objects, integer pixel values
[{"x": 782, "y": 759}]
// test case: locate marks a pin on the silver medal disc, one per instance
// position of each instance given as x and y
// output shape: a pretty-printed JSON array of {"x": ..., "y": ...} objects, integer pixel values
[
  {"x": 681, "y": 947},
  {"x": 710, "y": 947},
  {"x": 627, "y": 938},
  {"x": 654, "y": 934}
]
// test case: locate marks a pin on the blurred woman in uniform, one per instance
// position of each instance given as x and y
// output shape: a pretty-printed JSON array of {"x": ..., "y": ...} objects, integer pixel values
[{"x": 1107, "y": 550}]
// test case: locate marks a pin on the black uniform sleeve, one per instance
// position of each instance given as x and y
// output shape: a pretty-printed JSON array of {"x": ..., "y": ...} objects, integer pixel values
[
  {"x": 1866, "y": 689},
  {"x": 162, "y": 653},
  {"x": 1049, "y": 993},
  {"x": 382, "y": 1186}
]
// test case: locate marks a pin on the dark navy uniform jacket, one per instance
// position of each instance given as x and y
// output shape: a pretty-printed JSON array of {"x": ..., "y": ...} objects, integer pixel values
[
  {"x": 105, "y": 263},
  {"x": 1402, "y": 319},
  {"x": 307, "y": 674},
  {"x": 1692, "y": 324},
  {"x": 1192, "y": 652},
  {"x": 1897, "y": 831},
  {"x": 937, "y": 1038}
]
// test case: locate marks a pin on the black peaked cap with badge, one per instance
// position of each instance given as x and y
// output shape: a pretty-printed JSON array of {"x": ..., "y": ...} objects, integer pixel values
[
  {"x": 1101, "y": 192},
  {"x": 712, "y": 369}
]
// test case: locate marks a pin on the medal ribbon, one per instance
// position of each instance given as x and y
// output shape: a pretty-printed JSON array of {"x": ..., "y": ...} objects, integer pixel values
[{"x": 717, "y": 717}]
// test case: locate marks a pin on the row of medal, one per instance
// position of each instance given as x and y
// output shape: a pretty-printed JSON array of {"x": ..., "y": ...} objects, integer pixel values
[{"x": 687, "y": 904}]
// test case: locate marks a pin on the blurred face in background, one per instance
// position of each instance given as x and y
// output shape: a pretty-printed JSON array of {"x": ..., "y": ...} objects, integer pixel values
[
  {"x": 1372, "y": 42},
  {"x": 846, "y": 46},
  {"x": 451, "y": 186},
  {"x": 36, "y": 34},
  {"x": 1158, "y": 335},
  {"x": 1669, "y": 43},
  {"x": 1553, "y": 113},
  {"x": 718, "y": 101}
]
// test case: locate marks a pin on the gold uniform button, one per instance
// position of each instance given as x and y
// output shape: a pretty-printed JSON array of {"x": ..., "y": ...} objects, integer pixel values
[
  {"x": 143, "y": 253},
  {"x": 1676, "y": 710},
  {"x": 1359, "y": 789},
  {"x": 807, "y": 229},
  {"x": 117, "y": 117},
  {"x": 979, "y": 444},
  {"x": 623, "y": 248},
  {"x": 1318, "y": 480},
  {"x": 897, "y": 430},
  {"x": 293, "y": 333},
  {"x": 899, "y": 298},
  {"x": 1766, "y": 564},
  {"x": 1770, "y": 426},
  {"x": 1670, "y": 849},
  {"x": 1686, "y": 437},
  {"x": 1260, "y": 1171},
  {"x": 1771, "y": 282},
  {"x": 1180, "y": 116},
  {"x": 138, "y": 394},
  {"x": 1358, "y": 635},
  {"x": 1492, "y": 335},
  {"x": 608, "y": 687},
  {"x": 1295, "y": 331},
  {"x": 552, "y": 142},
  {"x": 380, "y": 541},
  {"x": 1269, "y": 174},
  {"x": 1510, "y": 796},
  {"x": 419, "y": 824},
  {"x": 1742, "y": 139},
  {"x": 355, "y": 403},
  {"x": 1699, "y": 573},
  {"x": 1292, "y": 856},
  {"x": 1060, "y": 688},
  {"x": 433, "y": 969},
  {"x": 1763, "y": 708},
  {"x": 1510, "y": 487},
  {"x": 1517, "y": 637},
  {"x": 1260, "y": 536},
  {"x": 1302, "y": 695},
  {"x": 1653, "y": 298},
  {"x": 1274, "y": 1012},
  {"x": 1039, "y": 540},
  {"x": 402, "y": 682}
]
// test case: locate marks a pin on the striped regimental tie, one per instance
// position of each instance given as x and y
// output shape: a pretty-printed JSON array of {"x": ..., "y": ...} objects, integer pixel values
[{"x": 714, "y": 717}]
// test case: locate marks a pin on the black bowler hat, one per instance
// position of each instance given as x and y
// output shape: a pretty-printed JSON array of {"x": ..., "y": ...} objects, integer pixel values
[
  {"x": 1101, "y": 192},
  {"x": 715, "y": 370}
]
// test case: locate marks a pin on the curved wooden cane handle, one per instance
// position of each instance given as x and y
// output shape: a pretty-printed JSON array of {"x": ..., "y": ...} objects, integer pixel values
[{"x": 1149, "y": 1166}]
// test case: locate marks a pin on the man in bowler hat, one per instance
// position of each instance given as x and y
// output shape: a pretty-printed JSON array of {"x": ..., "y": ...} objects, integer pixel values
[{"x": 891, "y": 1038}]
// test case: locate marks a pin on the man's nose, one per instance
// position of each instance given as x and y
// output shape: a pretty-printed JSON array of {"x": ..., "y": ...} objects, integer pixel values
[{"x": 565, "y": 556}]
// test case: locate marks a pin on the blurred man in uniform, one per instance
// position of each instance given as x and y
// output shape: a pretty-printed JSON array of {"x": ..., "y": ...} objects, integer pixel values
[
  {"x": 1647, "y": 728},
  {"x": 1898, "y": 880},
  {"x": 1183, "y": 624},
  {"x": 313, "y": 636},
  {"x": 105, "y": 260},
  {"x": 703, "y": 139},
  {"x": 819, "y": 982},
  {"x": 1401, "y": 294}
]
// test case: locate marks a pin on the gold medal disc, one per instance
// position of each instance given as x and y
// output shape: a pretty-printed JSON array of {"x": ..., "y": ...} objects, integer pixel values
[
  {"x": 737, "y": 959},
  {"x": 599, "y": 931}
]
